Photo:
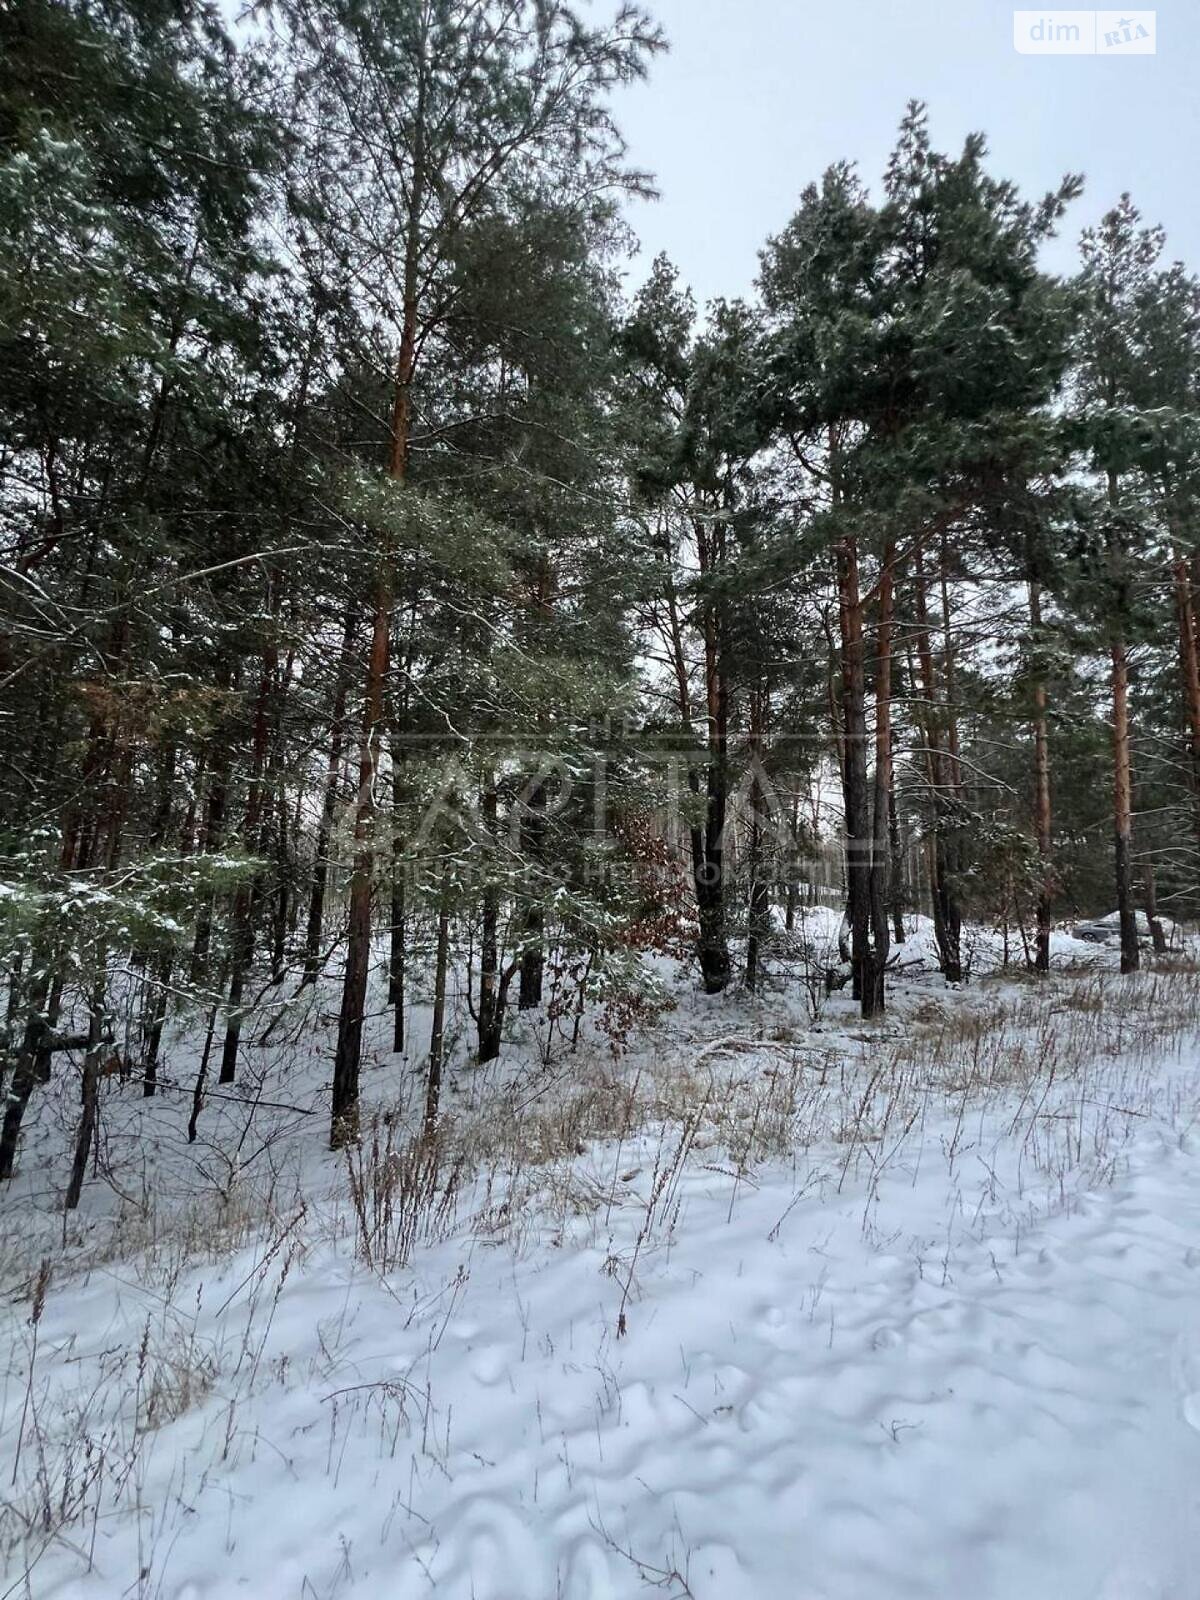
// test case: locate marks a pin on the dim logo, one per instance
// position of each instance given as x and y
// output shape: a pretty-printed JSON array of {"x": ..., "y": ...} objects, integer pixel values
[{"x": 1084, "y": 33}]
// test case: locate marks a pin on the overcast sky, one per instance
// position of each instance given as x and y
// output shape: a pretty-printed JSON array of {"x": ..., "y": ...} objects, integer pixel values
[{"x": 757, "y": 97}]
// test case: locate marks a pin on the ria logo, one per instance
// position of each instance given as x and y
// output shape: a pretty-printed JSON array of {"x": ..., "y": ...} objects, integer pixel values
[
  {"x": 1084, "y": 33},
  {"x": 1125, "y": 32}
]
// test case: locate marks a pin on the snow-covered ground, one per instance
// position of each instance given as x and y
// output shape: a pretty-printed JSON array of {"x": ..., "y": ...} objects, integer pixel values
[{"x": 778, "y": 1306}]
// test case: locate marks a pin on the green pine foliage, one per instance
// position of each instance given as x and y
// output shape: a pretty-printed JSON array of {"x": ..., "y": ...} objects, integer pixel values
[{"x": 358, "y": 517}]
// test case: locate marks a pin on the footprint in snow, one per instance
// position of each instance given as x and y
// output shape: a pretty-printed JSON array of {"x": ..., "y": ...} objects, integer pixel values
[{"x": 1185, "y": 1363}]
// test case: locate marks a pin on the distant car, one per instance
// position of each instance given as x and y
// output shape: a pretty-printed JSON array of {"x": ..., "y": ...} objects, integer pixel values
[{"x": 1107, "y": 930}]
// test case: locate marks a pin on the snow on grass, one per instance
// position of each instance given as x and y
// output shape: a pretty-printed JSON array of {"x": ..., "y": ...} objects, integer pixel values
[{"x": 780, "y": 1305}]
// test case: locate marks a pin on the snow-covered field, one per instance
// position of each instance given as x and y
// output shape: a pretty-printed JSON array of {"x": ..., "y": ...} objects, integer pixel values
[{"x": 776, "y": 1307}]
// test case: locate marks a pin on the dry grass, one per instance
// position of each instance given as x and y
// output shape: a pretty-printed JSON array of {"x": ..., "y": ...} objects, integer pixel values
[
  {"x": 403, "y": 1191},
  {"x": 1072, "y": 1057}
]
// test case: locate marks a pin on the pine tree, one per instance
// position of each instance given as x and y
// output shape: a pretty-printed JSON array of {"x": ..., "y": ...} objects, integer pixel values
[
  {"x": 1118, "y": 263},
  {"x": 912, "y": 341},
  {"x": 475, "y": 99}
]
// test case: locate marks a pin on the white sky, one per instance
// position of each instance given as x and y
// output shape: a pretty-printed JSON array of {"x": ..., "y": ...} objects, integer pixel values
[{"x": 757, "y": 97}]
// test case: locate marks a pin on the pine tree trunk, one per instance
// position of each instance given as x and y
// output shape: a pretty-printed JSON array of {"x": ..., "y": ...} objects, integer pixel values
[
  {"x": 947, "y": 921},
  {"x": 713, "y": 947},
  {"x": 1041, "y": 785},
  {"x": 491, "y": 1011},
  {"x": 1157, "y": 933},
  {"x": 897, "y": 896},
  {"x": 91, "y": 1098},
  {"x": 953, "y": 841},
  {"x": 1123, "y": 808},
  {"x": 155, "y": 1022},
  {"x": 211, "y": 833},
  {"x": 248, "y": 891},
  {"x": 281, "y": 919},
  {"x": 337, "y": 736},
  {"x": 11, "y": 1009},
  {"x": 1122, "y": 765},
  {"x": 156, "y": 1011},
  {"x": 437, "y": 1032},
  {"x": 1189, "y": 670},
  {"x": 859, "y": 829},
  {"x": 398, "y": 944},
  {"x": 713, "y": 943},
  {"x": 348, "y": 1055},
  {"x": 883, "y": 807},
  {"x": 25, "y": 1071},
  {"x": 201, "y": 1078},
  {"x": 398, "y": 960},
  {"x": 533, "y": 928},
  {"x": 793, "y": 886},
  {"x": 759, "y": 898},
  {"x": 53, "y": 1008}
]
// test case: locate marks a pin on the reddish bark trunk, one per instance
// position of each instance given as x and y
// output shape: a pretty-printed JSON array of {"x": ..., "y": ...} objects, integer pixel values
[
  {"x": 1123, "y": 808},
  {"x": 1041, "y": 787},
  {"x": 348, "y": 1056},
  {"x": 1189, "y": 669},
  {"x": 884, "y": 809}
]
